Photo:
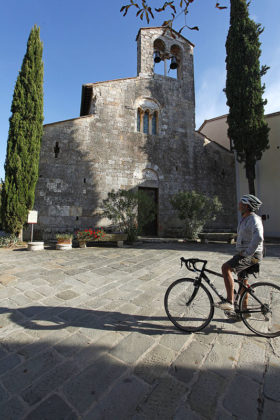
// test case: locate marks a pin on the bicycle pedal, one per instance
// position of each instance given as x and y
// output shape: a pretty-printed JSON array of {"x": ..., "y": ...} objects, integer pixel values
[{"x": 232, "y": 315}]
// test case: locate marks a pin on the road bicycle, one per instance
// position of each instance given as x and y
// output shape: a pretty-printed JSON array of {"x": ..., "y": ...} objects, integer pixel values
[{"x": 190, "y": 306}]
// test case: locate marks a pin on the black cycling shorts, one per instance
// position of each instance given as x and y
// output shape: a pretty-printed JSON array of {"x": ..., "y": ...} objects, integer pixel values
[{"x": 238, "y": 263}]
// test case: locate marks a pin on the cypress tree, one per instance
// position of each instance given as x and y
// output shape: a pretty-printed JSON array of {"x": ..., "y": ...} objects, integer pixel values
[
  {"x": 24, "y": 138},
  {"x": 247, "y": 127}
]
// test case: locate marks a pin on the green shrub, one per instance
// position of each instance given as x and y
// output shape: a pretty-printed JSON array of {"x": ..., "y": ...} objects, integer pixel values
[
  {"x": 8, "y": 240},
  {"x": 64, "y": 236},
  {"x": 195, "y": 210},
  {"x": 121, "y": 208}
]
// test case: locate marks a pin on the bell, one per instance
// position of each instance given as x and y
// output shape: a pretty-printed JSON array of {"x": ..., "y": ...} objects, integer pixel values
[
  {"x": 174, "y": 64},
  {"x": 157, "y": 58}
]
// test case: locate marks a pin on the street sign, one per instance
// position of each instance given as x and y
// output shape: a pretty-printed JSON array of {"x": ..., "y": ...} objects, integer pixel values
[
  {"x": 32, "y": 217},
  {"x": 32, "y": 220}
]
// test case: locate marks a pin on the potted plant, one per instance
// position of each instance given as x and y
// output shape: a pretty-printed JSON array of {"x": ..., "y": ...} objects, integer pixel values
[
  {"x": 64, "y": 240},
  {"x": 87, "y": 235}
]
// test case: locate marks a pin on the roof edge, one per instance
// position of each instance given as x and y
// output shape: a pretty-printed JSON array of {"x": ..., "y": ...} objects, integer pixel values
[
  {"x": 162, "y": 27},
  {"x": 212, "y": 119},
  {"x": 213, "y": 141},
  {"x": 109, "y": 81},
  {"x": 272, "y": 114},
  {"x": 70, "y": 119}
]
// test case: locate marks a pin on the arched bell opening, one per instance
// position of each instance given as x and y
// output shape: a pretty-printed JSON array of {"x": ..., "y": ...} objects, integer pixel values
[
  {"x": 159, "y": 54},
  {"x": 175, "y": 61}
]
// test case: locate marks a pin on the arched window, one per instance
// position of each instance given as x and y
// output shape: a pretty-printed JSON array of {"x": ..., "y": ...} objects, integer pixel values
[
  {"x": 146, "y": 122},
  {"x": 147, "y": 116}
]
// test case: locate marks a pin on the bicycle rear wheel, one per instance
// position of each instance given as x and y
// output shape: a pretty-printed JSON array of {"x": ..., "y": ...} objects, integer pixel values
[
  {"x": 188, "y": 308},
  {"x": 262, "y": 318}
]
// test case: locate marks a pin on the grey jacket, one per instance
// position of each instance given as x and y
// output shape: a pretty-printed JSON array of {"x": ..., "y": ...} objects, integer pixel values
[{"x": 250, "y": 235}]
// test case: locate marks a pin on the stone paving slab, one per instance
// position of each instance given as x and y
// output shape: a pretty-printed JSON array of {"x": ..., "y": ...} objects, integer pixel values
[{"x": 84, "y": 335}]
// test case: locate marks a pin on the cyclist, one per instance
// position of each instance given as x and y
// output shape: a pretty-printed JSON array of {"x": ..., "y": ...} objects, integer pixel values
[{"x": 249, "y": 245}]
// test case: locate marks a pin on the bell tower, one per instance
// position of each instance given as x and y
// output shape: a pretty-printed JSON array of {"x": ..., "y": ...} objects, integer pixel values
[{"x": 159, "y": 45}]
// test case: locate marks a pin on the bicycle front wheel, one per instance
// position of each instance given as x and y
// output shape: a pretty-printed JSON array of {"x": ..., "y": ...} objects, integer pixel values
[
  {"x": 189, "y": 308},
  {"x": 262, "y": 307}
]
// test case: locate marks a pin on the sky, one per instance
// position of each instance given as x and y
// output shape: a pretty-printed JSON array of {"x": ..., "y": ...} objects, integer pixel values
[{"x": 88, "y": 41}]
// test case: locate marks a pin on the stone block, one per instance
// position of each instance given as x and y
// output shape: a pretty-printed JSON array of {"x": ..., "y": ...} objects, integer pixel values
[
  {"x": 234, "y": 401},
  {"x": 271, "y": 410},
  {"x": 132, "y": 347},
  {"x": 205, "y": 392},
  {"x": 49, "y": 382},
  {"x": 272, "y": 380},
  {"x": 89, "y": 386},
  {"x": 53, "y": 407},
  {"x": 121, "y": 402},
  {"x": 154, "y": 364},
  {"x": 66, "y": 295},
  {"x": 163, "y": 400},
  {"x": 186, "y": 364},
  {"x": 4, "y": 395},
  {"x": 12, "y": 409},
  {"x": 9, "y": 362},
  {"x": 29, "y": 371}
]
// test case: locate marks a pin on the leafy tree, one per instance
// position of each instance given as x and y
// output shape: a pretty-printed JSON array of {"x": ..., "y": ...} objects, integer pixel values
[
  {"x": 195, "y": 210},
  {"x": 144, "y": 10},
  {"x": 24, "y": 139},
  {"x": 122, "y": 208},
  {"x": 247, "y": 128}
]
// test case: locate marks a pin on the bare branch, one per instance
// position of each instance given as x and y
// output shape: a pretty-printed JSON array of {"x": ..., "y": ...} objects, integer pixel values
[{"x": 145, "y": 10}]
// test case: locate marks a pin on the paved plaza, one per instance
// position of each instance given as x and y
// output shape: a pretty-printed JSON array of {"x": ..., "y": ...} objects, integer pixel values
[{"x": 84, "y": 335}]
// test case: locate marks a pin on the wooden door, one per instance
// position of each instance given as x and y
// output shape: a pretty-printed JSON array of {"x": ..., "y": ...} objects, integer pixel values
[{"x": 150, "y": 228}]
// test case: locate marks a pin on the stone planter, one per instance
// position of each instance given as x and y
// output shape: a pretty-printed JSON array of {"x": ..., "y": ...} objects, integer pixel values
[
  {"x": 35, "y": 246},
  {"x": 63, "y": 246},
  {"x": 64, "y": 243},
  {"x": 119, "y": 238}
]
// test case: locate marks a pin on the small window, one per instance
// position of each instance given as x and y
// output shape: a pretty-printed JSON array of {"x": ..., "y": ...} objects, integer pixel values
[
  {"x": 146, "y": 123},
  {"x": 138, "y": 120},
  {"x": 56, "y": 150}
]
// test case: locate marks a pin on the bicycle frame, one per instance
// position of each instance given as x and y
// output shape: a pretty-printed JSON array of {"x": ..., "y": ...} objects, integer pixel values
[{"x": 203, "y": 276}]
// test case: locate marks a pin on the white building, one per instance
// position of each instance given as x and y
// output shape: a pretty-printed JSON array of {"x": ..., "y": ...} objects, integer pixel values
[{"x": 267, "y": 169}]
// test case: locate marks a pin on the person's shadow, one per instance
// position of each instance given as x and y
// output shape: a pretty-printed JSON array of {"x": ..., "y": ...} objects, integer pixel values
[{"x": 56, "y": 318}]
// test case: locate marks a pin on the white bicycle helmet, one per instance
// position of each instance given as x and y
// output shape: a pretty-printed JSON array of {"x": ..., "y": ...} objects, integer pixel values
[{"x": 251, "y": 201}]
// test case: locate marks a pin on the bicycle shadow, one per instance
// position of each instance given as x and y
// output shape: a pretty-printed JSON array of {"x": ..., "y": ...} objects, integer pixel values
[{"x": 58, "y": 318}]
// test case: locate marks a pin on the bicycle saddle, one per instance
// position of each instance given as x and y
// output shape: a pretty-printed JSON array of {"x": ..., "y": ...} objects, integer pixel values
[{"x": 253, "y": 269}]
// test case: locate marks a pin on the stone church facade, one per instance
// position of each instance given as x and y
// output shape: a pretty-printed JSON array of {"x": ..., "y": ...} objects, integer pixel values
[{"x": 133, "y": 133}]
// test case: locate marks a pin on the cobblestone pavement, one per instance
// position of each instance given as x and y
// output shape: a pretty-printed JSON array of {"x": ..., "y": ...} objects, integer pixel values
[{"x": 84, "y": 335}]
